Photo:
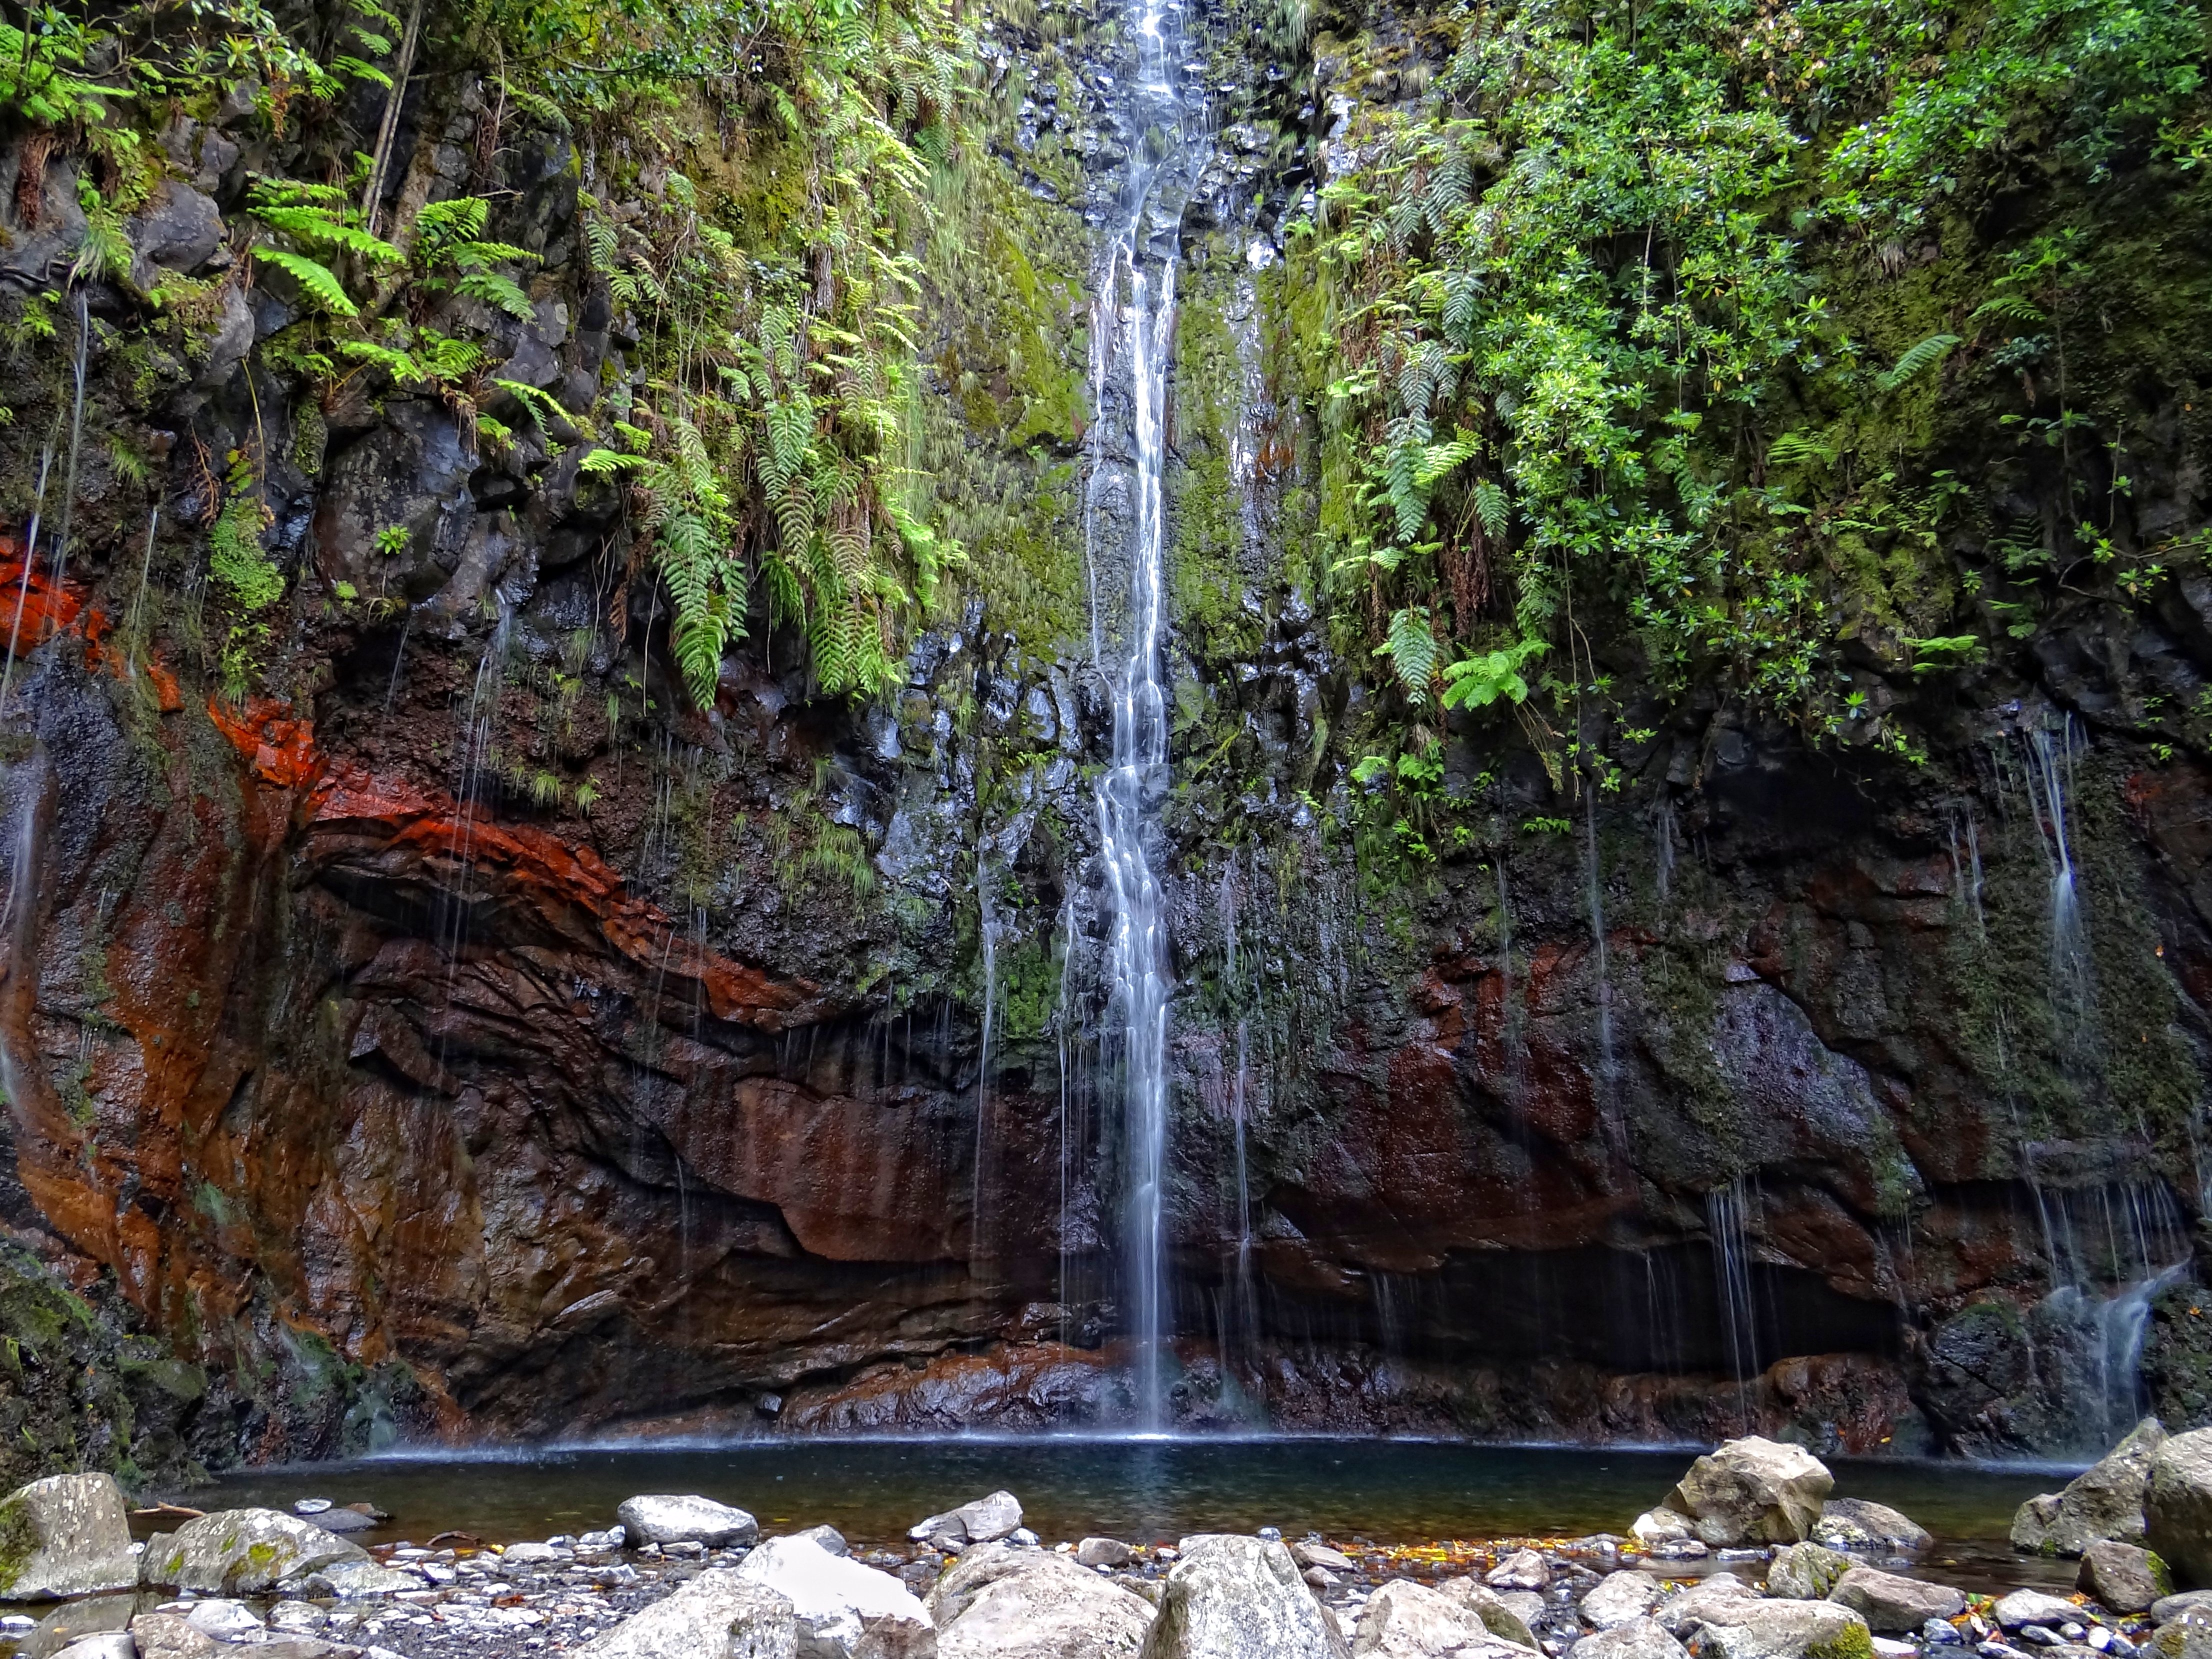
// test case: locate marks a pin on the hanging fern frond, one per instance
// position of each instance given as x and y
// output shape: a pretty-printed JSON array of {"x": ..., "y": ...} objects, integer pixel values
[
  {"x": 319, "y": 283},
  {"x": 1412, "y": 647},
  {"x": 1929, "y": 352}
]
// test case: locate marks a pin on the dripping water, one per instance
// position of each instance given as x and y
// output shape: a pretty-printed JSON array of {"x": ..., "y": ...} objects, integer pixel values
[
  {"x": 75, "y": 442},
  {"x": 1246, "y": 1311}
]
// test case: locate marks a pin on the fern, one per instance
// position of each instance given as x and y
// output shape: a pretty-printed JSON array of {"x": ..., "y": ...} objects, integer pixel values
[
  {"x": 605, "y": 461},
  {"x": 539, "y": 404},
  {"x": 1477, "y": 681},
  {"x": 402, "y": 367},
  {"x": 318, "y": 282},
  {"x": 1412, "y": 648},
  {"x": 1491, "y": 507},
  {"x": 1929, "y": 352},
  {"x": 500, "y": 292}
]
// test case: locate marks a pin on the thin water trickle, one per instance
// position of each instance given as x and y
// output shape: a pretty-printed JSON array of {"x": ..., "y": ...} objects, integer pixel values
[
  {"x": 1142, "y": 255},
  {"x": 1727, "y": 1221},
  {"x": 75, "y": 442},
  {"x": 1247, "y": 1308},
  {"x": 30, "y": 557},
  {"x": 2050, "y": 786},
  {"x": 988, "y": 929}
]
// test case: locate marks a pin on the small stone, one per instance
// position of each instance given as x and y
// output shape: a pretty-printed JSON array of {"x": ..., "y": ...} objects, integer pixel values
[
  {"x": 829, "y": 1538},
  {"x": 1319, "y": 1577},
  {"x": 297, "y": 1616},
  {"x": 1506, "y": 1615},
  {"x": 1887, "y": 1648},
  {"x": 225, "y": 1620},
  {"x": 1940, "y": 1632},
  {"x": 2167, "y": 1608},
  {"x": 982, "y": 1521},
  {"x": 1112, "y": 1553},
  {"x": 523, "y": 1554},
  {"x": 685, "y": 1519},
  {"x": 1310, "y": 1553},
  {"x": 312, "y": 1505},
  {"x": 1714, "y": 1599},
  {"x": 1660, "y": 1526},
  {"x": 1523, "y": 1570},
  {"x": 2024, "y": 1608}
]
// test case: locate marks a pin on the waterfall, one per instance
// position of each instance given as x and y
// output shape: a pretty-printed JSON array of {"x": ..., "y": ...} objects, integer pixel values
[
  {"x": 1725, "y": 1220},
  {"x": 987, "y": 928},
  {"x": 1141, "y": 256},
  {"x": 2050, "y": 786}
]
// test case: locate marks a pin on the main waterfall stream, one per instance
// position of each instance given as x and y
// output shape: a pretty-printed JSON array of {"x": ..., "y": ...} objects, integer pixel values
[{"x": 1132, "y": 335}]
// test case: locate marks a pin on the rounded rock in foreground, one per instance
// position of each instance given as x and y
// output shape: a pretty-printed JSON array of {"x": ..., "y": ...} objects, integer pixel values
[
  {"x": 688, "y": 1518},
  {"x": 1854, "y": 1523},
  {"x": 1639, "y": 1638},
  {"x": 1230, "y": 1597},
  {"x": 1752, "y": 1490},
  {"x": 68, "y": 1535},
  {"x": 2123, "y": 1577},
  {"x": 1892, "y": 1604}
]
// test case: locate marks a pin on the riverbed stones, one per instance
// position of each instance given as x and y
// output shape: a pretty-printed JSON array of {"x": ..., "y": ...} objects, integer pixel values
[
  {"x": 2104, "y": 1501},
  {"x": 1638, "y": 1638},
  {"x": 1753, "y": 1490},
  {"x": 1407, "y": 1621},
  {"x": 1506, "y": 1615},
  {"x": 68, "y": 1535},
  {"x": 717, "y": 1615},
  {"x": 1232, "y": 1597},
  {"x": 1621, "y": 1597},
  {"x": 1008, "y": 1601},
  {"x": 984, "y": 1521},
  {"x": 2124, "y": 1577},
  {"x": 2023, "y": 1607},
  {"x": 841, "y": 1607},
  {"x": 224, "y": 1619},
  {"x": 1891, "y": 1603},
  {"x": 1765, "y": 1629},
  {"x": 1523, "y": 1570},
  {"x": 1113, "y": 1553},
  {"x": 170, "y": 1636},
  {"x": 2177, "y": 1508},
  {"x": 1806, "y": 1571},
  {"x": 243, "y": 1552},
  {"x": 1855, "y": 1523},
  {"x": 669, "y": 1518}
]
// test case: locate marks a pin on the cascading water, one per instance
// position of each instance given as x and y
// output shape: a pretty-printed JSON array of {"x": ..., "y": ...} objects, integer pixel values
[{"x": 1132, "y": 333}]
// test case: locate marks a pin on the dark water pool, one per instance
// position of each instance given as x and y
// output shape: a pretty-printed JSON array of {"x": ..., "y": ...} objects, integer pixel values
[{"x": 1385, "y": 1491}]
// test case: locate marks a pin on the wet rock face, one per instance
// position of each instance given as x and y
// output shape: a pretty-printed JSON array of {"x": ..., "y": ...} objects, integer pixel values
[{"x": 364, "y": 1094}]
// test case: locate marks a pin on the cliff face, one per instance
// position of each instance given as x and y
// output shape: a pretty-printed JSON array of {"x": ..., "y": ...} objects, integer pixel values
[{"x": 456, "y": 1034}]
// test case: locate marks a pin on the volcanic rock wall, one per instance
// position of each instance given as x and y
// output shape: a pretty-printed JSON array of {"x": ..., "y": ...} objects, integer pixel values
[{"x": 458, "y": 1036}]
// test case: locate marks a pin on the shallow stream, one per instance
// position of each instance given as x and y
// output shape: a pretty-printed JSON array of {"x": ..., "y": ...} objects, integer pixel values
[{"x": 1387, "y": 1492}]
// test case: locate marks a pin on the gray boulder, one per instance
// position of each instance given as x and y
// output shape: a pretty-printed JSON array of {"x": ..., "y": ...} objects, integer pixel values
[
  {"x": 1806, "y": 1571},
  {"x": 2104, "y": 1501},
  {"x": 1407, "y": 1621},
  {"x": 841, "y": 1607},
  {"x": 984, "y": 1521},
  {"x": 1788, "y": 1629},
  {"x": 225, "y": 1620},
  {"x": 106, "y": 1644},
  {"x": 1113, "y": 1553},
  {"x": 1662, "y": 1526},
  {"x": 1753, "y": 1490},
  {"x": 243, "y": 1552},
  {"x": 1231, "y": 1597},
  {"x": 1639, "y": 1638},
  {"x": 1498, "y": 1612},
  {"x": 1004, "y": 1602},
  {"x": 1716, "y": 1596},
  {"x": 2023, "y": 1607},
  {"x": 1891, "y": 1603},
  {"x": 1314, "y": 1555},
  {"x": 2124, "y": 1577},
  {"x": 1853, "y": 1523},
  {"x": 718, "y": 1615},
  {"x": 829, "y": 1537},
  {"x": 1621, "y": 1598},
  {"x": 170, "y": 1636},
  {"x": 688, "y": 1519},
  {"x": 177, "y": 230},
  {"x": 2188, "y": 1637},
  {"x": 68, "y": 1535},
  {"x": 350, "y": 1580},
  {"x": 2178, "y": 1508}
]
